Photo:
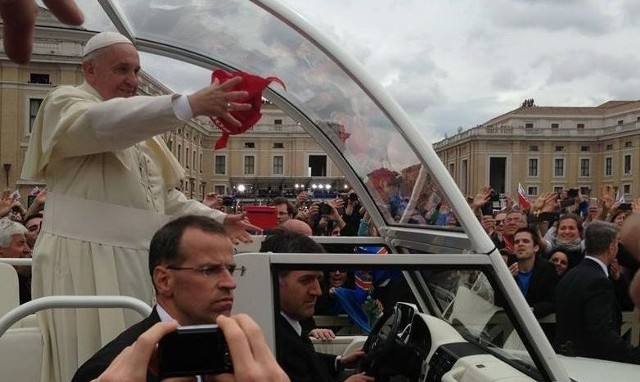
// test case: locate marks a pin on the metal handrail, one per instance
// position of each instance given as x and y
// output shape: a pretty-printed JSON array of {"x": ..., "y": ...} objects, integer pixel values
[
  {"x": 55, "y": 302},
  {"x": 17, "y": 260}
]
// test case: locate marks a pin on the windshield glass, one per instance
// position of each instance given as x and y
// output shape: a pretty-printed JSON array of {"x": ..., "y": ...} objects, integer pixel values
[
  {"x": 350, "y": 123},
  {"x": 358, "y": 299},
  {"x": 472, "y": 306}
]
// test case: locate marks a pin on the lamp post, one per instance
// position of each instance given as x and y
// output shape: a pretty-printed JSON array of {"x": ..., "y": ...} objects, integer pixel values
[{"x": 7, "y": 170}]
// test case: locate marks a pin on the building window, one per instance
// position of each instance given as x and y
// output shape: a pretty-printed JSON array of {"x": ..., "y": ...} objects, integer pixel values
[
  {"x": 220, "y": 190},
  {"x": 533, "y": 167},
  {"x": 608, "y": 166},
  {"x": 609, "y": 147},
  {"x": 249, "y": 165},
  {"x": 249, "y": 145},
  {"x": 277, "y": 122},
  {"x": 201, "y": 163},
  {"x": 186, "y": 157},
  {"x": 179, "y": 152},
  {"x": 277, "y": 125},
  {"x": 39, "y": 78},
  {"x": 220, "y": 165},
  {"x": 534, "y": 148},
  {"x": 627, "y": 164},
  {"x": 193, "y": 162},
  {"x": 34, "y": 106},
  {"x": 278, "y": 145},
  {"x": 559, "y": 148},
  {"x": 585, "y": 148},
  {"x": 628, "y": 144},
  {"x": 620, "y": 122},
  {"x": 528, "y": 125},
  {"x": 555, "y": 125},
  {"x": 580, "y": 126},
  {"x": 532, "y": 190},
  {"x": 558, "y": 167},
  {"x": 585, "y": 166},
  {"x": 452, "y": 169},
  {"x": 626, "y": 189},
  {"x": 558, "y": 189},
  {"x": 278, "y": 165}
]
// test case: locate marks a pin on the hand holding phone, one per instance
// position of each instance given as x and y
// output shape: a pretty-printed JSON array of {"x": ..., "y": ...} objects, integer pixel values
[{"x": 194, "y": 350}]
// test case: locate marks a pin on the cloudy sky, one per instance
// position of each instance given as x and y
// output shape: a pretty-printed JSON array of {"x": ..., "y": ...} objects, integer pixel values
[
  {"x": 453, "y": 63},
  {"x": 459, "y": 63}
]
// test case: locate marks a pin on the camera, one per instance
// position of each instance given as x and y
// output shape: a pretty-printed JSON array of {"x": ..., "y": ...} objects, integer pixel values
[
  {"x": 227, "y": 201},
  {"x": 194, "y": 350},
  {"x": 625, "y": 207},
  {"x": 567, "y": 202},
  {"x": 324, "y": 208},
  {"x": 495, "y": 196}
]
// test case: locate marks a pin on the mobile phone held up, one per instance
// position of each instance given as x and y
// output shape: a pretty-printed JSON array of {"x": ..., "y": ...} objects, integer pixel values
[{"x": 194, "y": 350}]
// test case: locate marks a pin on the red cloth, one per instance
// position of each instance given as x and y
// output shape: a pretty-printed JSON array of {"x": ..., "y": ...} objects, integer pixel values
[{"x": 252, "y": 84}]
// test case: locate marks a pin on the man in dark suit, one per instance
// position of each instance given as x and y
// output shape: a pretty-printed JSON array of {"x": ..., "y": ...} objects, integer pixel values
[
  {"x": 536, "y": 277},
  {"x": 299, "y": 290},
  {"x": 588, "y": 317},
  {"x": 192, "y": 267}
]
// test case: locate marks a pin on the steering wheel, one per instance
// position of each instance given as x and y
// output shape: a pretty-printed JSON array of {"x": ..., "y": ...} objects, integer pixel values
[{"x": 388, "y": 355}]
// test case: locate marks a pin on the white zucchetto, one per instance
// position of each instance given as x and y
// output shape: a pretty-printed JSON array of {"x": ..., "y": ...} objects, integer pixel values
[{"x": 104, "y": 39}]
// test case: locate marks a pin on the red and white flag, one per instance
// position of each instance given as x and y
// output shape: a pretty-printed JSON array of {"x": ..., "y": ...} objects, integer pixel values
[{"x": 523, "y": 198}]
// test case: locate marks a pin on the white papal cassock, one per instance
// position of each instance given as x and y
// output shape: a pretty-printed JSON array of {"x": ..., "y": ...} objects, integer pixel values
[{"x": 111, "y": 185}]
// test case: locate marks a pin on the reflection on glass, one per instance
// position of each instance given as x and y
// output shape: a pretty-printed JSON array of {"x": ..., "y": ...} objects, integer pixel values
[
  {"x": 379, "y": 303},
  {"x": 241, "y": 35}
]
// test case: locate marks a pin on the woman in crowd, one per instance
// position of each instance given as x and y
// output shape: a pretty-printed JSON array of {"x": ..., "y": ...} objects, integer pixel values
[
  {"x": 560, "y": 261},
  {"x": 567, "y": 237}
]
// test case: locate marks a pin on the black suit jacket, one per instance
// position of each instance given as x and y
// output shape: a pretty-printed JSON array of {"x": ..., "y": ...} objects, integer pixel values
[
  {"x": 542, "y": 287},
  {"x": 99, "y": 362},
  {"x": 588, "y": 318},
  {"x": 298, "y": 358}
]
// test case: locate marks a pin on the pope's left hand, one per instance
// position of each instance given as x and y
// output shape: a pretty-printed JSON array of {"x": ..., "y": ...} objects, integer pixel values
[{"x": 237, "y": 226}]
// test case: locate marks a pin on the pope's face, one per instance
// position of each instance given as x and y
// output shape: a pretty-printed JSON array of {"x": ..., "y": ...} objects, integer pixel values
[{"x": 113, "y": 71}]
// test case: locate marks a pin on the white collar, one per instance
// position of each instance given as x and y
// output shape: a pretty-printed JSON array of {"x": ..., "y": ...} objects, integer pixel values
[
  {"x": 164, "y": 316},
  {"x": 294, "y": 323},
  {"x": 602, "y": 265}
]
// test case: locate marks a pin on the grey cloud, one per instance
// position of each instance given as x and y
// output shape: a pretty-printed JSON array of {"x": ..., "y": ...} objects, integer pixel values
[
  {"x": 630, "y": 12},
  {"x": 579, "y": 65},
  {"x": 586, "y": 17},
  {"x": 505, "y": 78}
]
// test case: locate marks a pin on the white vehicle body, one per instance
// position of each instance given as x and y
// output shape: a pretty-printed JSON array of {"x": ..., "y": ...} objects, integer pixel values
[{"x": 267, "y": 38}]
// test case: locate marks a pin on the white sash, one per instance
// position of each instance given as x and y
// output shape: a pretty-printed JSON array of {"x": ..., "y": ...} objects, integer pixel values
[{"x": 101, "y": 223}]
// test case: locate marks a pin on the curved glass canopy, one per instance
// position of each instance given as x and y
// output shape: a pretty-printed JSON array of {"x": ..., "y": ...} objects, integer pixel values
[{"x": 361, "y": 128}]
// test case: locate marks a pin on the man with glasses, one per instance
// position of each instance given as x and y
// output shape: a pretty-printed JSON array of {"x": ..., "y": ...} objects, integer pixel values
[
  {"x": 513, "y": 221},
  {"x": 192, "y": 269}
]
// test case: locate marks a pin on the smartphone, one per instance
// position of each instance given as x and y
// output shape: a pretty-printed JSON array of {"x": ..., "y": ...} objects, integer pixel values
[
  {"x": 194, "y": 350},
  {"x": 625, "y": 207}
]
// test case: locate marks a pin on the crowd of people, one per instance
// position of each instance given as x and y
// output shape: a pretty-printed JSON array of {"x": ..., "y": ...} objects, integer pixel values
[{"x": 568, "y": 256}]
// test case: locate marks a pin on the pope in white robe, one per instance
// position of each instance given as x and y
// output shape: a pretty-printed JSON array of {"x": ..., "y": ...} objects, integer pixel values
[{"x": 111, "y": 184}]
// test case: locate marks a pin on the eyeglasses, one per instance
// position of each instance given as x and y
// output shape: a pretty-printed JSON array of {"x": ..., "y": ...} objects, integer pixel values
[{"x": 214, "y": 270}]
